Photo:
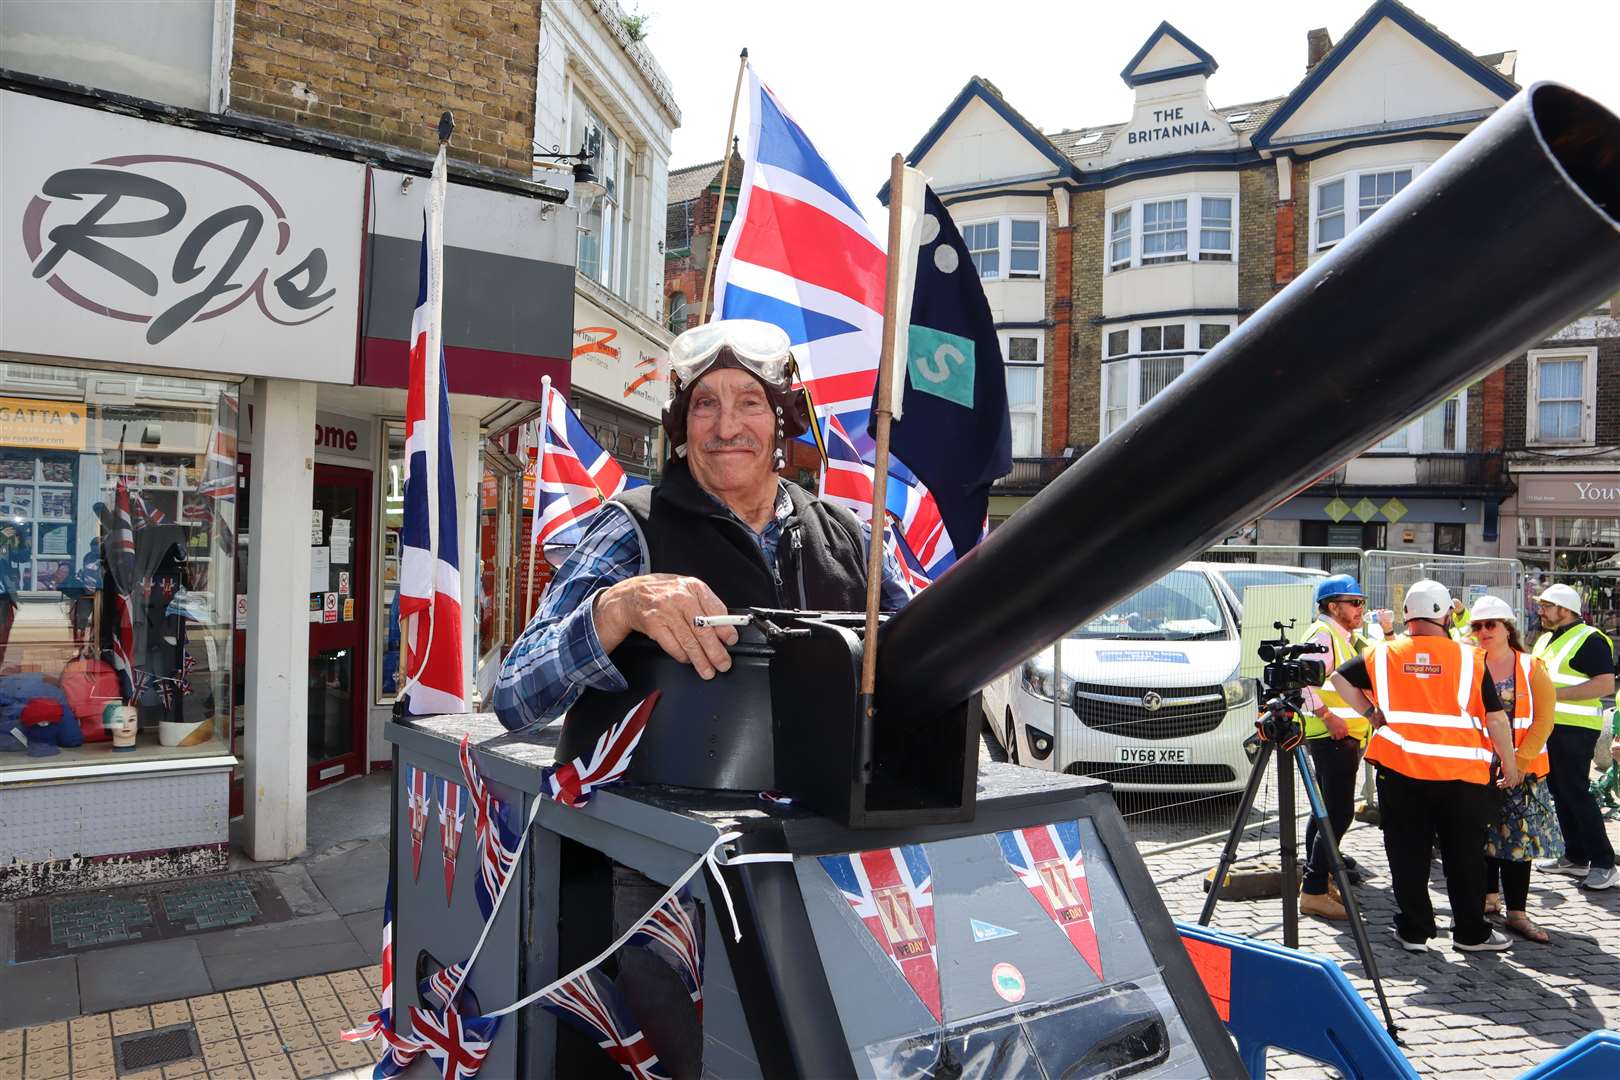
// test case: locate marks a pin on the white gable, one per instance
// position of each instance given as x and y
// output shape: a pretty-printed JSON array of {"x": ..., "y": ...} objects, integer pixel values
[
  {"x": 1166, "y": 53},
  {"x": 1389, "y": 77},
  {"x": 1170, "y": 117},
  {"x": 980, "y": 146}
]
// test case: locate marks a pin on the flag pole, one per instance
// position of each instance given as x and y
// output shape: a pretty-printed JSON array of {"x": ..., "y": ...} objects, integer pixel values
[
  {"x": 725, "y": 179},
  {"x": 882, "y": 411},
  {"x": 539, "y": 452}
]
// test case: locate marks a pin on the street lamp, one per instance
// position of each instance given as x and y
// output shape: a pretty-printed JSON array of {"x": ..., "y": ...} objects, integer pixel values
[{"x": 587, "y": 188}]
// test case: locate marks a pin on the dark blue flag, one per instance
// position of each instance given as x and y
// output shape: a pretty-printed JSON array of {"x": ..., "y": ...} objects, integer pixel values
[{"x": 954, "y": 431}]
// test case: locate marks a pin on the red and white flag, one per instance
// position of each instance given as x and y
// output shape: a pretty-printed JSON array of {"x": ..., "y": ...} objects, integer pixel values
[
  {"x": 452, "y": 819},
  {"x": 418, "y": 797},
  {"x": 430, "y": 564}
]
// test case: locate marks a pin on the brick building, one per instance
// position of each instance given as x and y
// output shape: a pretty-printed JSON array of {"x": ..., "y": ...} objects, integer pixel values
[
  {"x": 1116, "y": 255},
  {"x": 235, "y": 372}
]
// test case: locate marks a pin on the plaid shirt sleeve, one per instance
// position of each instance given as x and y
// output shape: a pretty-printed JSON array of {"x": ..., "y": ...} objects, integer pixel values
[
  {"x": 558, "y": 654},
  {"x": 895, "y": 591}
]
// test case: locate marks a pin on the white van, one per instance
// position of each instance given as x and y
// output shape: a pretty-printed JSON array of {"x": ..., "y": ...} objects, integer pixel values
[{"x": 1150, "y": 694}]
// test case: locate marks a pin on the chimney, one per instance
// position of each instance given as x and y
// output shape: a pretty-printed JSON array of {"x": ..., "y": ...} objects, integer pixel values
[{"x": 1317, "y": 44}]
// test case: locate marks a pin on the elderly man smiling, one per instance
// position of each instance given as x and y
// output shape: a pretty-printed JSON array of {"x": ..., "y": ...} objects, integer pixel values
[{"x": 720, "y": 530}]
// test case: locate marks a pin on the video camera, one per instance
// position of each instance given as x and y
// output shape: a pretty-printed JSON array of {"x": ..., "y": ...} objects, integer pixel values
[{"x": 1284, "y": 670}]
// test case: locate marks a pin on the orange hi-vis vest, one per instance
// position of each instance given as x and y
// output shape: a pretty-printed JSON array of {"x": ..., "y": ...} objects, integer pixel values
[
  {"x": 1524, "y": 711},
  {"x": 1428, "y": 689}
]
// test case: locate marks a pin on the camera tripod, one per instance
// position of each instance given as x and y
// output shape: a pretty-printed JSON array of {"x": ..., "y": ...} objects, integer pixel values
[{"x": 1278, "y": 729}]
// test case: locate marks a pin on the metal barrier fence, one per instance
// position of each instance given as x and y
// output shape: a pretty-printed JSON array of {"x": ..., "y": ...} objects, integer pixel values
[{"x": 1387, "y": 574}]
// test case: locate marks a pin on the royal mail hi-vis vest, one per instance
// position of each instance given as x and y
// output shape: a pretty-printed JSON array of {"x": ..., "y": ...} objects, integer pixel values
[
  {"x": 1524, "y": 711},
  {"x": 1343, "y": 653},
  {"x": 1557, "y": 655},
  {"x": 1428, "y": 689}
]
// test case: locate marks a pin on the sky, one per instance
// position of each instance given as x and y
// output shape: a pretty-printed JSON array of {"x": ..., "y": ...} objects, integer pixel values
[{"x": 867, "y": 78}]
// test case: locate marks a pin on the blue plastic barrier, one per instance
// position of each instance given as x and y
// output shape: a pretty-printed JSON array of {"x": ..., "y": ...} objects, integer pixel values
[
  {"x": 1271, "y": 996},
  {"x": 1595, "y": 1057}
]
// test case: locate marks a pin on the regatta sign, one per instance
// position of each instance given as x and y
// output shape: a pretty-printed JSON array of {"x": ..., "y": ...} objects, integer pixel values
[{"x": 1168, "y": 124}]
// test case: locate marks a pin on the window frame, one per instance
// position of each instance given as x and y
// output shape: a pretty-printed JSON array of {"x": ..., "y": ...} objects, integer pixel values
[
  {"x": 1003, "y": 338},
  {"x": 1004, "y": 246},
  {"x": 1414, "y": 432},
  {"x": 1588, "y": 355},
  {"x": 612, "y": 210},
  {"x": 1128, "y": 365},
  {"x": 1352, "y": 193},
  {"x": 1195, "y": 252}
]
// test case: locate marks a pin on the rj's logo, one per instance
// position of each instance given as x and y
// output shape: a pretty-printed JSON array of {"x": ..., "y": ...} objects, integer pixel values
[{"x": 124, "y": 242}]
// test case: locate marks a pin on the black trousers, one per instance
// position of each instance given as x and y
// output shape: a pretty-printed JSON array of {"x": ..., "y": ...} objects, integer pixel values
[
  {"x": 1414, "y": 813},
  {"x": 654, "y": 992},
  {"x": 1336, "y": 763},
  {"x": 1511, "y": 879},
  {"x": 1569, "y": 752}
]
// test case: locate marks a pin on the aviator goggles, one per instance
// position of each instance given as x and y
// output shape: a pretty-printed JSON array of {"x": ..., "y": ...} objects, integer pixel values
[{"x": 760, "y": 347}]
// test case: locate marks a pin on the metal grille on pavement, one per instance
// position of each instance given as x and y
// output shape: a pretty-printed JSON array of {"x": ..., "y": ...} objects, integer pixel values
[{"x": 151, "y": 1049}]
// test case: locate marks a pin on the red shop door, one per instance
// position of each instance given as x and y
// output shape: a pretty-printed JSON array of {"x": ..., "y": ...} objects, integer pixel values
[{"x": 339, "y": 676}]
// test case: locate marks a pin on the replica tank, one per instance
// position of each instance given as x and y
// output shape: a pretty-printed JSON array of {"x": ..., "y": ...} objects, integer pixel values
[{"x": 927, "y": 916}]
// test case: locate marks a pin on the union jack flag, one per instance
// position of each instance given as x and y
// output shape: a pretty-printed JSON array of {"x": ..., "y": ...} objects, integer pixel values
[
  {"x": 892, "y": 892},
  {"x": 594, "y": 1005},
  {"x": 165, "y": 693},
  {"x": 497, "y": 843},
  {"x": 572, "y": 784},
  {"x": 452, "y": 817},
  {"x": 847, "y": 481},
  {"x": 1049, "y": 860},
  {"x": 674, "y": 931},
  {"x": 438, "y": 988},
  {"x": 457, "y": 1044},
  {"x": 402, "y": 1049},
  {"x": 573, "y": 474},
  {"x": 419, "y": 798},
  {"x": 429, "y": 572}
]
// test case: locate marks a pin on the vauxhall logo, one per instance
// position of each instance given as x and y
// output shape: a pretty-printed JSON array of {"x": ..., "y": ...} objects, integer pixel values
[{"x": 167, "y": 241}]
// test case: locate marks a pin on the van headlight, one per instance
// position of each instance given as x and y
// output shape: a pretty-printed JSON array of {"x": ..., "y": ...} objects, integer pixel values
[
  {"x": 1237, "y": 691},
  {"x": 1039, "y": 682}
]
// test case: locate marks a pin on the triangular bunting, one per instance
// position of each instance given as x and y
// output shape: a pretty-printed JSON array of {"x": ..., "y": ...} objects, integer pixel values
[
  {"x": 452, "y": 818},
  {"x": 419, "y": 799},
  {"x": 892, "y": 892},
  {"x": 1050, "y": 863}
]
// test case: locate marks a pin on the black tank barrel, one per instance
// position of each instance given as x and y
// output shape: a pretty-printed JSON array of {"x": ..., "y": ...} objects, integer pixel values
[{"x": 1508, "y": 237}]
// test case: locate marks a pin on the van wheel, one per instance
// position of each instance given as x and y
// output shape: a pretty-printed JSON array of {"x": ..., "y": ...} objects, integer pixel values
[
  {"x": 1012, "y": 741},
  {"x": 989, "y": 746}
]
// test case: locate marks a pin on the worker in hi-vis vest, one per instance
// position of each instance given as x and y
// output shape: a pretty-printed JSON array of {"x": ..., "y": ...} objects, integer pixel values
[
  {"x": 1440, "y": 736},
  {"x": 1580, "y": 659},
  {"x": 1335, "y": 735}
]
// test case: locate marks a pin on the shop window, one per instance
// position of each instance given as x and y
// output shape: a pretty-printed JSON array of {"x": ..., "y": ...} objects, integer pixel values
[
  {"x": 392, "y": 520},
  {"x": 1449, "y": 539},
  {"x": 117, "y": 568}
]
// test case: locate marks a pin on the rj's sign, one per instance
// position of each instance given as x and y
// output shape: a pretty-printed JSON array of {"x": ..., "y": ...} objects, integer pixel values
[{"x": 141, "y": 242}]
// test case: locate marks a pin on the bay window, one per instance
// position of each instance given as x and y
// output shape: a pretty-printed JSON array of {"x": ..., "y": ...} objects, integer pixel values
[
  {"x": 1190, "y": 228},
  {"x": 1140, "y": 361},
  {"x": 1007, "y": 247}
]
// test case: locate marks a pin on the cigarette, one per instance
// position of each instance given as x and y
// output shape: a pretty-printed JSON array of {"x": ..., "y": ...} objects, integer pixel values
[{"x": 722, "y": 620}]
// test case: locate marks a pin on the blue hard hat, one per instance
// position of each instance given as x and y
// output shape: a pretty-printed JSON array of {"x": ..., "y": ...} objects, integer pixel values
[{"x": 1338, "y": 585}]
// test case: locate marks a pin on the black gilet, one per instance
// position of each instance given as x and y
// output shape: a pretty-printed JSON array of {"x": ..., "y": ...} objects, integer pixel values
[{"x": 821, "y": 566}]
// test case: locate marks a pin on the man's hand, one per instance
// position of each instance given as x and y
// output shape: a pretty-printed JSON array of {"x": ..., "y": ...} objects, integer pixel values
[
  {"x": 1336, "y": 727},
  {"x": 662, "y": 606}
]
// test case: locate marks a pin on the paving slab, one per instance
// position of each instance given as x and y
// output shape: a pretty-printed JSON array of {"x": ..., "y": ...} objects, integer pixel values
[
  {"x": 141, "y": 974},
  {"x": 354, "y": 882},
  {"x": 232, "y": 971},
  {"x": 366, "y": 928},
  {"x": 39, "y": 992},
  {"x": 327, "y": 930}
]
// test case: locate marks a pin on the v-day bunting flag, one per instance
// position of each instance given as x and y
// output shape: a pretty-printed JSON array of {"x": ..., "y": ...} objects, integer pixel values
[
  {"x": 452, "y": 818},
  {"x": 1049, "y": 860},
  {"x": 892, "y": 892},
  {"x": 418, "y": 798},
  {"x": 429, "y": 569}
]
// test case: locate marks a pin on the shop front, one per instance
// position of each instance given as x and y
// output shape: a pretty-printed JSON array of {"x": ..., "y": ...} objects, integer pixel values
[
  {"x": 1565, "y": 527},
  {"x": 620, "y": 378},
  {"x": 200, "y": 408}
]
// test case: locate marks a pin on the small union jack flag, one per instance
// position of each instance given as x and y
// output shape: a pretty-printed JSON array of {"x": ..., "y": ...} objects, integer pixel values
[
  {"x": 572, "y": 784},
  {"x": 594, "y": 1005},
  {"x": 674, "y": 932},
  {"x": 187, "y": 663},
  {"x": 165, "y": 693},
  {"x": 438, "y": 987},
  {"x": 457, "y": 1044},
  {"x": 140, "y": 680},
  {"x": 1049, "y": 860},
  {"x": 497, "y": 843},
  {"x": 452, "y": 817},
  {"x": 892, "y": 892},
  {"x": 419, "y": 797}
]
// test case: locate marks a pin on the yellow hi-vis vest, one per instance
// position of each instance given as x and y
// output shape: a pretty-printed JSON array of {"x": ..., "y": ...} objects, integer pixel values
[
  {"x": 1587, "y": 712},
  {"x": 1343, "y": 653}
]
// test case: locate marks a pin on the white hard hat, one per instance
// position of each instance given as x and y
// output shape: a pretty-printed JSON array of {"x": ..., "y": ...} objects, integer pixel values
[
  {"x": 1427, "y": 599},
  {"x": 1491, "y": 607},
  {"x": 1562, "y": 595}
]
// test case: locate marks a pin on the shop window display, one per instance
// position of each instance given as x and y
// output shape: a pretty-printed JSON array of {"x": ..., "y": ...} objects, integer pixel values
[{"x": 117, "y": 552}]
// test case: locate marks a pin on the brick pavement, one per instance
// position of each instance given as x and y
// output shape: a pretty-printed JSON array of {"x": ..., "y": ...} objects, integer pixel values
[
  {"x": 283, "y": 1031},
  {"x": 1497, "y": 1013}
]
